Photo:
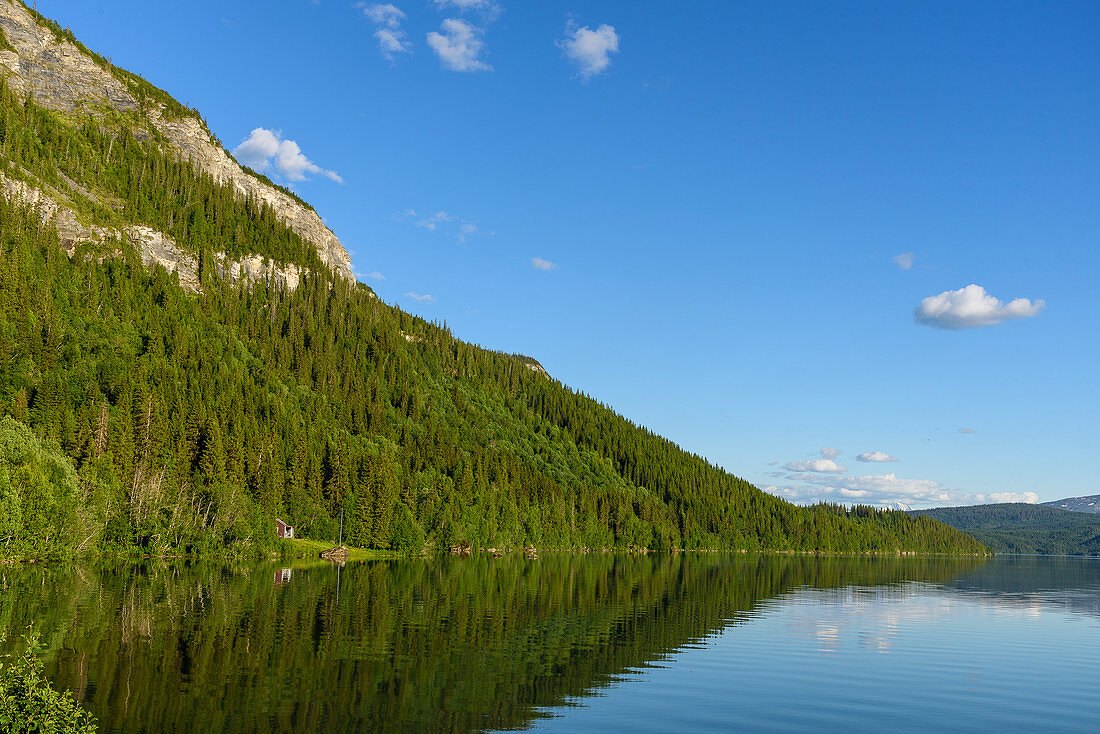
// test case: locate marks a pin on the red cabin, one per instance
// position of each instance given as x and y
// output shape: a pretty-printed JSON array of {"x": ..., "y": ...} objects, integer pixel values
[{"x": 283, "y": 530}]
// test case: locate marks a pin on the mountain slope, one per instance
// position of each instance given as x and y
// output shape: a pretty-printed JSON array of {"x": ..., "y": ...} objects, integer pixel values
[
  {"x": 48, "y": 65},
  {"x": 1024, "y": 528},
  {"x": 197, "y": 400},
  {"x": 1090, "y": 503}
]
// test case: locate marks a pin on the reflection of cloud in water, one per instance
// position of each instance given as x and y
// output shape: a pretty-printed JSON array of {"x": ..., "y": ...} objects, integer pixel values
[
  {"x": 877, "y": 618},
  {"x": 828, "y": 636},
  {"x": 873, "y": 617}
]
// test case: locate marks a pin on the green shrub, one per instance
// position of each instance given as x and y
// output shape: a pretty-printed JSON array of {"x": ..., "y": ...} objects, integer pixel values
[
  {"x": 28, "y": 703},
  {"x": 39, "y": 492}
]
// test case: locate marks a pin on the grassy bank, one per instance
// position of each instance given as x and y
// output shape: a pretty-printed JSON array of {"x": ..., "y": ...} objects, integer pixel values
[{"x": 304, "y": 548}]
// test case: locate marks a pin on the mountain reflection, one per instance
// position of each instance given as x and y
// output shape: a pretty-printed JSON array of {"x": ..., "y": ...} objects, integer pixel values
[
  {"x": 1068, "y": 583},
  {"x": 442, "y": 644}
]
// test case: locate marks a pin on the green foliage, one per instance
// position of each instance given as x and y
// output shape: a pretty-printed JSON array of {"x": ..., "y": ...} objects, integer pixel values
[
  {"x": 39, "y": 493},
  {"x": 408, "y": 536},
  {"x": 124, "y": 180},
  {"x": 27, "y": 702},
  {"x": 1024, "y": 528},
  {"x": 5, "y": 44},
  {"x": 193, "y": 421}
]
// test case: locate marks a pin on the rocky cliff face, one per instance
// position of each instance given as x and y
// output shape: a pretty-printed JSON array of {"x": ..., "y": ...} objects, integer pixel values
[
  {"x": 58, "y": 75},
  {"x": 156, "y": 248}
]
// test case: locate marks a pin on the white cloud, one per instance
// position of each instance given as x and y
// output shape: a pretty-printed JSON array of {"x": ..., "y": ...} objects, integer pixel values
[
  {"x": 465, "y": 4},
  {"x": 970, "y": 307},
  {"x": 466, "y": 229},
  {"x": 434, "y": 220},
  {"x": 391, "y": 39},
  {"x": 828, "y": 453},
  {"x": 827, "y": 466},
  {"x": 420, "y": 298},
  {"x": 266, "y": 150},
  {"x": 391, "y": 42},
  {"x": 589, "y": 49},
  {"x": 459, "y": 46},
  {"x": 904, "y": 260},
  {"x": 490, "y": 9},
  {"x": 877, "y": 457},
  {"x": 540, "y": 264},
  {"x": 444, "y": 222},
  {"x": 884, "y": 490},
  {"x": 386, "y": 14},
  {"x": 373, "y": 276},
  {"x": 968, "y": 431}
]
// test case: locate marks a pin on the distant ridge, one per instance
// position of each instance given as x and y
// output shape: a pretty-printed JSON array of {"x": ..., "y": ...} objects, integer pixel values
[
  {"x": 1090, "y": 503},
  {"x": 1024, "y": 528}
]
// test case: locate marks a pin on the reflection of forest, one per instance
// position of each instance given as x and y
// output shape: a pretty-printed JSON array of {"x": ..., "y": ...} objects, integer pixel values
[
  {"x": 441, "y": 645},
  {"x": 1068, "y": 583}
]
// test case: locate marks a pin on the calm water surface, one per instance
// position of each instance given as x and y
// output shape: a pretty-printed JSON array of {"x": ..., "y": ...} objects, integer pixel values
[{"x": 574, "y": 643}]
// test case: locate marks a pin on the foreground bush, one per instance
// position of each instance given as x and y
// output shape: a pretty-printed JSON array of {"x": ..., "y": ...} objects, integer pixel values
[{"x": 28, "y": 703}]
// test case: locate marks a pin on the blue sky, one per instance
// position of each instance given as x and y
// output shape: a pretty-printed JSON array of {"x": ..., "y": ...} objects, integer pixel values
[{"x": 784, "y": 235}]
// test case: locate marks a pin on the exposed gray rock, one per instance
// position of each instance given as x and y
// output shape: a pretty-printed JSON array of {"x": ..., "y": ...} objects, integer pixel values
[
  {"x": 155, "y": 247},
  {"x": 69, "y": 229},
  {"x": 59, "y": 76}
]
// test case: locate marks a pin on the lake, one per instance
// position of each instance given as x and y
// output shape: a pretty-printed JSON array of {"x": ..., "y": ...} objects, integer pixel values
[{"x": 687, "y": 642}]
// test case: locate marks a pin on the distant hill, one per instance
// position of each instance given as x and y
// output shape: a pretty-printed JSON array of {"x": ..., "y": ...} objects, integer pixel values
[
  {"x": 1023, "y": 528},
  {"x": 1090, "y": 503}
]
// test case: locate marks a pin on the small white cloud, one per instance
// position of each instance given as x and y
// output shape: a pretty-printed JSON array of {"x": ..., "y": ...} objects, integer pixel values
[
  {"x": 904, "y": 260},
  {"x": 372, "y": 276},
  {"x": 968, "y": 431},
  {"x": 998, "y": 497},
  {"x": 540, "y": 264},
  {"x": 828, "y": 453},
  {"x": 465, "y": 230},
  {"x": 385, "y": 14},
  {"x": 434, "y": 220},
  {"x": 420, "y": 298},
  {"x": 391, "y": 42},
  {"x": 877, "y": 457},
  {"x": 266, "y": 150},
  {"x": 589, "y": 49},
  {"x": 443, "y": 221},
  {"x": 486, "y": 7},
  {"x": 970, "y": 307},
  {"x": 391, "y": 39},
  {"x": 823, "y": 466},
  {"x": 459, "y": 46}
]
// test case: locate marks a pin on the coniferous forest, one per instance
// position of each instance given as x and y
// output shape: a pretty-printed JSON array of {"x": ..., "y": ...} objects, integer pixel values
[{"x": 141, "y": 417}]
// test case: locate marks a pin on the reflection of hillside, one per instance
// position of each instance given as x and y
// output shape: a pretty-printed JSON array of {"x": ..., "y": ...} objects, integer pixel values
[
  {"x": 1069, "y": 583},
  {"x": 445, "y": 645}
]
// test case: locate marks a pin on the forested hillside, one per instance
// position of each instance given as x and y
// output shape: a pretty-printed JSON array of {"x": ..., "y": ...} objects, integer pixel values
[
  {"x": 1023, "y": 528},
  {"x": 143, "y": 415}
]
